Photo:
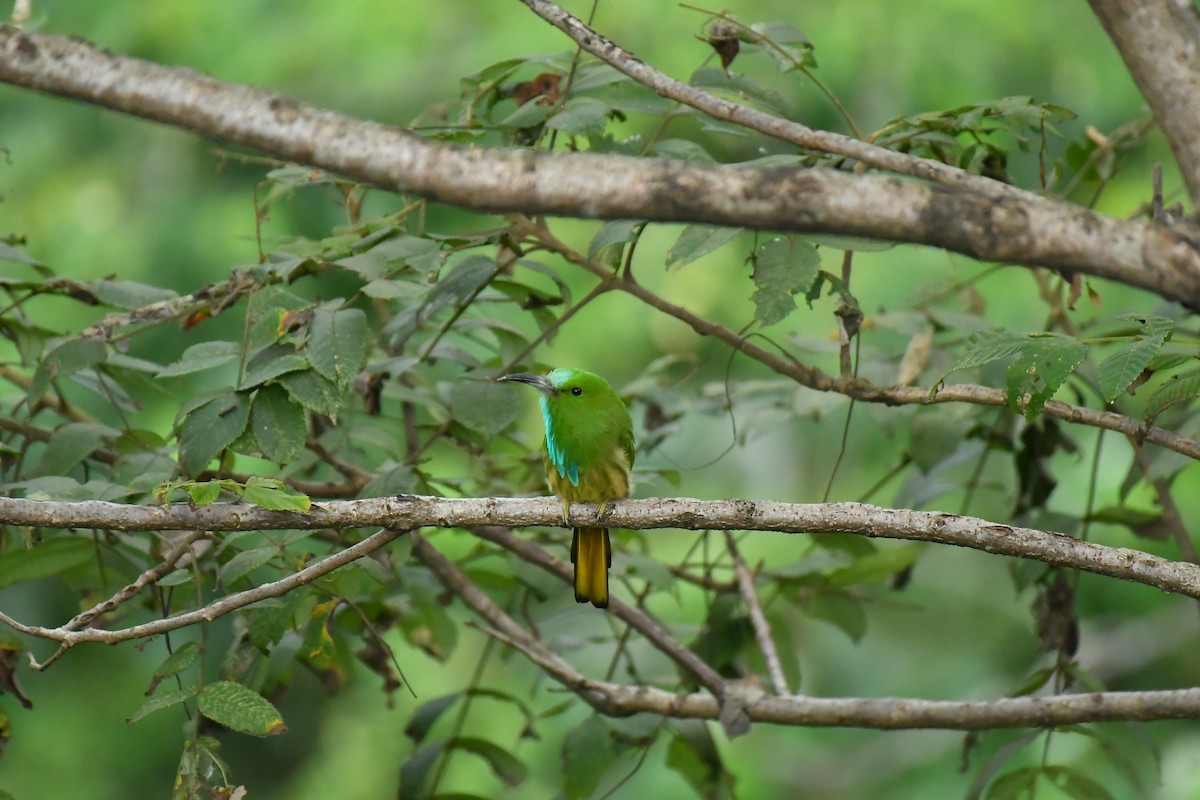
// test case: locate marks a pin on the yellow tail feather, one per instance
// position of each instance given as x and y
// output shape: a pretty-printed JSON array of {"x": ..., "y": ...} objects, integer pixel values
[{"x": 591, "y": 553}]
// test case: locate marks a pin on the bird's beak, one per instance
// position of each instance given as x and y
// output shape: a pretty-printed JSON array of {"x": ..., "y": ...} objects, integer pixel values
[{"x": 539, "y": 382}]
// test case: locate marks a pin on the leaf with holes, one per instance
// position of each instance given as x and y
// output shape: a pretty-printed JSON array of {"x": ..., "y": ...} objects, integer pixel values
[
  {"x": 1122, "y": 367},
  {"x": 1041, "y": 368},
  {"x": 240, "y": 709},
  {"x": 337, "y": 343},
  {"x": 209, "y": 429}
]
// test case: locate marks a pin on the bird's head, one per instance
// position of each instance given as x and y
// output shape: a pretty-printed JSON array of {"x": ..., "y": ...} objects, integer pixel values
[{"x": 570, "y": 391}]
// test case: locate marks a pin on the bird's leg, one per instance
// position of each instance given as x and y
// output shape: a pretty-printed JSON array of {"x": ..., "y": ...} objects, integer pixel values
[
  {"x": 600, "y": 511},
  {"x": 566, "y": 509}
]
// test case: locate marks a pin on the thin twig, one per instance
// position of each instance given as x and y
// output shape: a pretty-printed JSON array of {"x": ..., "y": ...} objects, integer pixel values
[{"x": 758, "y": 620}]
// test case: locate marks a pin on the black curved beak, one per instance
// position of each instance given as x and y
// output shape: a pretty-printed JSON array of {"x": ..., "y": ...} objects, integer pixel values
[{"x": 539, "y": 382}]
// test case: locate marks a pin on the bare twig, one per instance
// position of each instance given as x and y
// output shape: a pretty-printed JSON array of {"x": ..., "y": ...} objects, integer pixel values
[
  {"x": 207, "y": 613},
  {"x": 889, "y": 713},
  {"x": 758, "y": 620}
]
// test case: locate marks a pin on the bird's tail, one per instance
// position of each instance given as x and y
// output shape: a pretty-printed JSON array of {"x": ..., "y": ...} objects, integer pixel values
[{"x": 591, "y": 553}]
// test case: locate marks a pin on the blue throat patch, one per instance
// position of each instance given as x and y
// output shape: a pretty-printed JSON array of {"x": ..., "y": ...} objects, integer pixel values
[{"x": 558, "y": 456}]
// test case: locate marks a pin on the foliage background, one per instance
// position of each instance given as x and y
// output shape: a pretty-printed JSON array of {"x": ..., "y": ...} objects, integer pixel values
[{"x": 96, "y": 194}]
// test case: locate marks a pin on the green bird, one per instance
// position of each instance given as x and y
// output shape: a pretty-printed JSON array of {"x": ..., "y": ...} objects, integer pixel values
[{"x": 588, "y": 456}]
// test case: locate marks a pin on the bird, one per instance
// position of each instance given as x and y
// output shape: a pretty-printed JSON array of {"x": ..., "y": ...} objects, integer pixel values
[{"x": 588, "y": 454}]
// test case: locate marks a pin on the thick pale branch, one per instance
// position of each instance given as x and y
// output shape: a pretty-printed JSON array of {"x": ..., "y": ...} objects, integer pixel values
[
  {"x": 413, "y": 511},
  {"x": 1030, "y": 231},
  {"x": 1159, "y": 40}
]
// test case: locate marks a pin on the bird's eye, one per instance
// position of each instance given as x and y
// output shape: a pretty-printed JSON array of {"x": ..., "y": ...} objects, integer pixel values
[{"x": 575, "y": 390}]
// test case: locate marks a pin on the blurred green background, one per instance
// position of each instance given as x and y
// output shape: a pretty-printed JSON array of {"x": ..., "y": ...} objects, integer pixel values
[{"x": 95, "y": 193}]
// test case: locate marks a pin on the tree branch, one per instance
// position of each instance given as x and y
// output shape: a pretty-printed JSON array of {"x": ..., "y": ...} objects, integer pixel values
[
  {"x": 407, "y": 512},
  {"x": 1029, "y": 231},
  {"x": 857, "y": 388},
  {"x": 1158, "y": 41},
  {"x": 890, "y": 713}
]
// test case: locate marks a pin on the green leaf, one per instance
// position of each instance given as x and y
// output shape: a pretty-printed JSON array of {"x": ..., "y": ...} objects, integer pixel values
[
  {"x": 841, "y": 610},
  {"x": 587, "y": 752},
  {"x": 608, "y": 244},
  {"x": 65, "y": 359},
  {"x": 988, "y": 346},
  {"x": 487, "y": 407},
  {"x": 272, "y": 362},
  {"x": 160, "y": 701},
  {"x": 693, "y": 754},
  {"x": 527, "y": 116},
  {"x": 1041, "y": 368},
  {"x": 414, "y": 770},
  {"x": 426, "y": 714},
  {"x": 210, "y": 429},
  {"x": 581, "y": 115},
  {"x": 203, "y": 493},
  {"x": 246, "y": 562},
  {"x": 70, "y": 445},
  {"x": 240, "y": 709},
  {"x": 697, "y": 241},
  {"x": 205, "y": 355},
  {"x": 504, "y": 764},
  {"x": 1180, "y": 388},
  {"x": 174, "y": 664},
  {"x": 783, "y": 267},
  {"x": 279, "y": 424},
  {"x": 48, "y": 558},
  {"x": 314, "y": 392},
  {"x": 129, "y": 294},
  {"x": 1076, "y": 784},
  {"x": 274, "y": 496},
  {"x": 337, "y": 343},
  {"x": 1122, "y": 367},
  {"x": 1019, "y": 783},
  {"x": 877, "y": 566}
]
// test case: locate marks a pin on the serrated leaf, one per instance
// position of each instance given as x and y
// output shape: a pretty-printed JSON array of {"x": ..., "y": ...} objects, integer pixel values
[
  {"x": 279, "y": 424},
  {"x": 1041, "y": 368},
  {"x": 313, "y": 391},
  {"x": 504, "y": 764},
  {"x": 485, "y": 406},
  {"x": 43, "y": 560},
  {"x": 1178, "y": 389},
  {"x": 587, "y": 752},
  {"x": 988, "y": 346},
  {"x": 209, "y": 429},
  {"x": 581, "y": 115},
  {"x": 174, "y": 664},
  {"x": 199, "y": 357},
  {"x": 246, "y": 562},
  {"x": 697, "y": 241},
  {"x": 1121, "y": 368},
  {"x": 423, "y": 719},
  {"x": 337, "y": 343},
  {"x": 276, "y": 498},
  {"x": 204, "y": 492},
  {"x": 783, "y": 267},
  {"x": 160, "y": 701},
  {"x": 272, "y": 363},
  {"x": 240, "y": 709},
  {"x": 69, "y": 445}
]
